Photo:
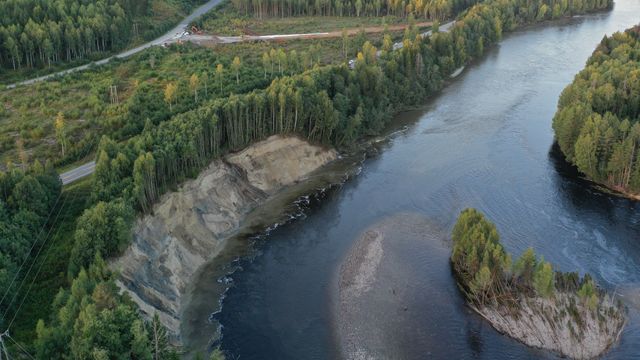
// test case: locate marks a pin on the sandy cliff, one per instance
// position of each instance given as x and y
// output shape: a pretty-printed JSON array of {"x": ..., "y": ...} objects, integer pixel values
[
  {"x": 189, "y": 227},
  {"x": 545, "y": 324}
]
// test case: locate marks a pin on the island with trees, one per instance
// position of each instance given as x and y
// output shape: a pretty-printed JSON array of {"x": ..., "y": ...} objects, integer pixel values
[
  {"x": 597, "y": 123},
  {"x": 527, "y": 299}
]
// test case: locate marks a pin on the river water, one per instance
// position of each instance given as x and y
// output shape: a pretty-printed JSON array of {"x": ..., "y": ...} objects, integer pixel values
[{"x": 486, "y": 142}]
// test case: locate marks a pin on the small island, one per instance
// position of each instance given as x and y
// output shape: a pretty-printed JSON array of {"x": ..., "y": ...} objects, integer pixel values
[{"x": 527, "y": 299}]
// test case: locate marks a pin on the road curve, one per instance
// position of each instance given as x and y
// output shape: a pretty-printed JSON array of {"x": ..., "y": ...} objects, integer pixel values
[{"x": 172, "y": 34}]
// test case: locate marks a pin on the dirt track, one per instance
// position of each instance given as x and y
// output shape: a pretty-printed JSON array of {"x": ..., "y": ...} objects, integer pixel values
[{"x": 204, "y": 39}]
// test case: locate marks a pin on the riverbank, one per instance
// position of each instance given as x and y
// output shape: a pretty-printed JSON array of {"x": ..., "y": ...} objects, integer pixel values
[
  {"x": 545, "y": 324},
  {"x": 190, "y": 226},
  {"x": 483, "y": 142},
  {"x": 529, "y": 301}
]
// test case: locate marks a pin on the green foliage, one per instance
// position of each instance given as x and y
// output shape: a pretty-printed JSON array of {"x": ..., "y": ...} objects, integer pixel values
[
  {"x": 43, "y": 33},
  {"x": 485, "y": 273},
  {"x": 26, "y": 200},
  {"x": 588, "y": 294},
  {"x": 543, "y": 280},
  {"x": 431, "y": 9},
  {"x": 104, "y": 229},
  {"x": 92, "y": 320},
  {"x": 597, "y": 122}
]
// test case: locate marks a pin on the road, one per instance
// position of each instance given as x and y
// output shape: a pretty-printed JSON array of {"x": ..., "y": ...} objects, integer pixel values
[
  {"x": 88, "y": 168},
  {"x": 78, "y": 173},
  {"x": 175, "y": 33},
  {"x": 199, "y": 39}
]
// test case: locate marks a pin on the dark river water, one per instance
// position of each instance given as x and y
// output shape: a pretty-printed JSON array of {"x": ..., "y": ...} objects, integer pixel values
[{"x": 486, "y": 142}]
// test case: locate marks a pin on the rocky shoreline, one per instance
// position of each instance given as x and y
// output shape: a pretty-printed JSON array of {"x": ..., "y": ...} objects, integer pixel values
[{"x": 190, "y": 226}]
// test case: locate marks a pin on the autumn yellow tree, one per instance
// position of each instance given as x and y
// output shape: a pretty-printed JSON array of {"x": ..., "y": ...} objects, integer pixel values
[
  {"x": 219, "y": 75},
  {"x": 61, "y": 132},
  {"x": 236, "y": 68},
  {"x": 170, "y": 94},
  {"x": 24, "y": 157},
  {"x": 193, "y": 84}
]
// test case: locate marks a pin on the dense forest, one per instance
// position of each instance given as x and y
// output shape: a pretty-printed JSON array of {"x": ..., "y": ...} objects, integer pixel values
[
  {"x": 491, "y": 280},
  {"x": 597, "y": 122},
  {"x": 27, "y": 199},
  {"x": 431, "y": 9},
  {"x": 38, "y": 33},
  {"x": 92, "y": 320}
]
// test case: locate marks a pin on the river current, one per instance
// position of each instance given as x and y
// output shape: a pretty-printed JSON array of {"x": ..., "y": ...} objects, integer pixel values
[{"x": 485, "y": 141}]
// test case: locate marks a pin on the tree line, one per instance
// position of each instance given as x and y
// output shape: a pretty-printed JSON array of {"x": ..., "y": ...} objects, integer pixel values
[
  {"x": 27, "y": 197},
  {"x": 429, "y": 9},
  {"x": 152, "y": 102},
  {"x": 597, "y": 123}
]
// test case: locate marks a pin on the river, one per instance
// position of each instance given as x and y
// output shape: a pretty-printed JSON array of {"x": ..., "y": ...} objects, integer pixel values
[{"x": 486, "y": 142}]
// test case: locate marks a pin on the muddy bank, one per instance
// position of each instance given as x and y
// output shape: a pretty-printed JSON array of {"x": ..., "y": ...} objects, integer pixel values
[
  {"x": 190, "y": 226},
  {"x": 376, "y": 305}
]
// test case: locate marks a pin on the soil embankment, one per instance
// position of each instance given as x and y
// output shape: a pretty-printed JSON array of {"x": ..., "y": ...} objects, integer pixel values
[
  {"x": 544, "y": 323},
  {"x": 188, "y": 227}
]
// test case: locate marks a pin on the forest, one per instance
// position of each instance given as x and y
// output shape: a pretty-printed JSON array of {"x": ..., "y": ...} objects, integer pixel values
[
  {"x": 489, "y": 278},
  {"x": 117, "y": 99},
  {"x": 597, "y": 122},
  {"x": 27, "y": 199},
  {"x": 40, "y": 33},
  {"x": 430, "y": 9},
  {"x": 330, "y": 104}
]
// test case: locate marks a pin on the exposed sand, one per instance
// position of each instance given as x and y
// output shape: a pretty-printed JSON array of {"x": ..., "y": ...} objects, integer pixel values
[
  {"x": 541, "y": 323},
  {"x": 191, "y": 226},
  {"x": 375, "y": 300}
]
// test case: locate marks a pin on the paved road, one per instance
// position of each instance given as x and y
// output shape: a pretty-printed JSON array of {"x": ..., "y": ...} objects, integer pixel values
[
  {"x": 175, "y": 33},
  {"x": 77, "y": 173},
  {"x": 88, "y": 168}
]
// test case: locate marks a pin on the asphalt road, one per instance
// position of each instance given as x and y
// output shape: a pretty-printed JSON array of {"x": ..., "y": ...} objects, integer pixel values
[
  {"x": 175, "y": 33},
  {"x": 77, "y": 173}
]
